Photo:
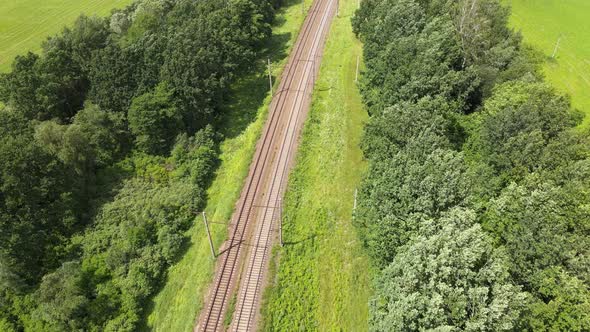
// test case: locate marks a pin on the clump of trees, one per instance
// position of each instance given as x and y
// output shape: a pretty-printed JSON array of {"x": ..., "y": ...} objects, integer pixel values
[
  {"x": 474, "y": 206},
  {"x": 107, "y": 145}
]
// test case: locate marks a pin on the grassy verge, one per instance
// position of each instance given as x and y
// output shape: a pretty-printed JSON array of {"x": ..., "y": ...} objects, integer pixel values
[
  {"x": 24, "y": 24},
  {"x": 322, "y": 281},
  {"x": 179, "y": 301},
  {"x": 543, "y": 23}
]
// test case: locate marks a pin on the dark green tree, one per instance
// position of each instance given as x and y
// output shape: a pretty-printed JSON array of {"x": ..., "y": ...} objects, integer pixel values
[
  {"x": 36, "y": 206},
  {"x": 517, "y": 122},
  {"x": 399, "y": 193},
  {"x": 62, "y": 299},
  {"x": 154, "y": 120},
  {"x": 105, "y": 132},
  {"x": 19, "y": 87}
]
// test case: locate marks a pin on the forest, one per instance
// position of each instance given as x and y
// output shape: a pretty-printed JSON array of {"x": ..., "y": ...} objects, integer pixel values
[
  {"x": 474, "y": 208},
  {"x": 475, "y": 204},
  {"x": 108, "y": 141}
]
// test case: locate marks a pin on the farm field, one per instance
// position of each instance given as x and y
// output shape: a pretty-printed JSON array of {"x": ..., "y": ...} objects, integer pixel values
[
  {"x": 542, "y": 23},
  {"x": 322, "y": 274},
  {"x": 25, "y": 24}
]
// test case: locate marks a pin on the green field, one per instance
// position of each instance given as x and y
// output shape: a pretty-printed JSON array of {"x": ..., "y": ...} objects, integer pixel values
[
  {"x": 25, "y": 24},
  {"x": 177, "y": 305},
  {"x": 322, "y": 275},
  {"x": 542, "y": 23}
]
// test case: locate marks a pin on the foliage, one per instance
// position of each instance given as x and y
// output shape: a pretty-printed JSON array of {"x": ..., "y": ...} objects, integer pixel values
[
  {"x": 62, "y": 299},
  {"x": 37, "y": 203},
  {"x": 154, "y": 120},
  {"x": 565, "y": 305},
  {"x": 447, "y": 280},
  {"x": 421, "y": 57},
  {"x": 403, "y": 191},
  {"x": 105, "y": 132},
  {"x": 108, "y": 143},
  {"x": 544, "y": 227},
  {"x": 488, "y": 136},
  {"x": 133, "y": 240},
  {"x": 112, "y": 76},
  {"x": 19, "y": 87},
  {"x": 516, "y": 125},
  {"x": 55, "y": 85}
]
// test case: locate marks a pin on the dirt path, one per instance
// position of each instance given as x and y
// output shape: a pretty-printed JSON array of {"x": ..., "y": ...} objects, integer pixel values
[{"x": 243, "y": 259}]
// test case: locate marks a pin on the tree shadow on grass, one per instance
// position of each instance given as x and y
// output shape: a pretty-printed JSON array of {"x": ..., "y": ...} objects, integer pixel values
[
  {"x": 249, "y": 92},
  {"x": 289, "y": 3},
  {"x": 309, "y": 238}
]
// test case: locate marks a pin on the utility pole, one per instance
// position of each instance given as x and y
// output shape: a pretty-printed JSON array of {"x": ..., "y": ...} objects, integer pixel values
[
  {"x": 269, "y": 76},
  {"x": 556, "y": 47},
  {"x": 354, "y": 206},
  {"x": 356, "y": 78},
  {"x": 281, "y": 222},
  {"x": 209, "y": 235}
]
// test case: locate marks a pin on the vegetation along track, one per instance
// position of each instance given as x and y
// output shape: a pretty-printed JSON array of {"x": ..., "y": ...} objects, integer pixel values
[{"x": 257, "y": 210}]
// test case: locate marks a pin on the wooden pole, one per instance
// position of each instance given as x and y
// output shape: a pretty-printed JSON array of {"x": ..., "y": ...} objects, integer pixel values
[
  {"x": 270, "y": 76},
  {"x": 209, "y": 235},
  {"x": 281, "y": 222},
  {"x": 354, "y": 206}
]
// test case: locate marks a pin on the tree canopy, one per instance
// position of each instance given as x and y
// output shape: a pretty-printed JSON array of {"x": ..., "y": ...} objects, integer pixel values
[
  {"x": 108, "y": 141},
  {"x": 474, "y": 205}
]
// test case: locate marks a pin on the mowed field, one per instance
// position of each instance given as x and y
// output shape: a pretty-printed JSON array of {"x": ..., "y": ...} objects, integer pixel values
[
  {"x": 25, "y": 24},
  {"x": 542, "y": 23}
]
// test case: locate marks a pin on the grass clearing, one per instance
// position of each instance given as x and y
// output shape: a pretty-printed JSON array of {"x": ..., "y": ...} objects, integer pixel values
[
  {"x": 24, "y": 24},
  {"x": 321, "y": 277},
  {"x": 542, "y": 24},
  {"x": 179, "y": 302}
]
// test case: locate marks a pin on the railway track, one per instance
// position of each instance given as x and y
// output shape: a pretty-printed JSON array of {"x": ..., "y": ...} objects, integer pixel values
[{"x": 251, "y": 233}]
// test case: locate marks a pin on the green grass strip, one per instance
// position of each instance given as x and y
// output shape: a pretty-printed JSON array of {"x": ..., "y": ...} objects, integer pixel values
[{"x": 321, "y": 277}]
